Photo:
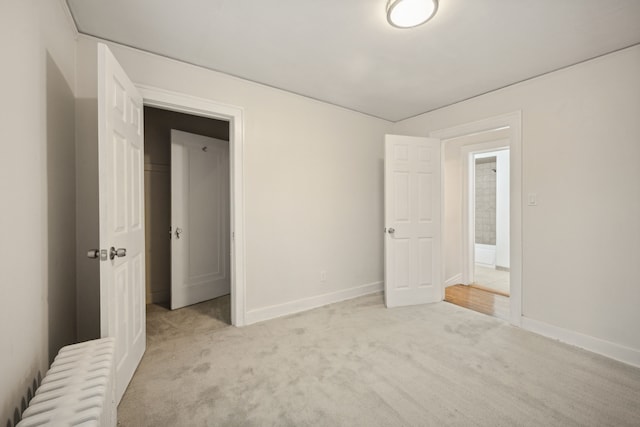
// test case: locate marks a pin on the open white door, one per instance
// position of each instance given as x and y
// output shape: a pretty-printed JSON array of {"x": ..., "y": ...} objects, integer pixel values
[
  {"x": 412, "y": 221},
  {"x": 199, "y": 218},
  {"x": 122, "y": 268}
]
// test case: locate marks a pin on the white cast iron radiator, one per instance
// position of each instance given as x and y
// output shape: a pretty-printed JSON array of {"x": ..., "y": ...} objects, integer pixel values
[{"x": 78, "y": 389}]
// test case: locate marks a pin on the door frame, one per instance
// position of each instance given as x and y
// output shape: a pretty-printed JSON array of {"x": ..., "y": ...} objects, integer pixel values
[
  {"x": 513, "y": 122},
  {"x": 182, "y": 103}
]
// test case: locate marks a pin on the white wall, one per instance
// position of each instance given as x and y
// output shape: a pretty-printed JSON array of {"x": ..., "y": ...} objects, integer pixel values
[
  {"x": 580, "y": 155},
  {"x": 37, "y": 179},
  {"x": 502, "y": 208},
  {"x": 313, "y": 180}
]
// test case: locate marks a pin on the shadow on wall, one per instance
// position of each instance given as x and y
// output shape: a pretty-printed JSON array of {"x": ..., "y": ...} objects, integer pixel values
[
  {"x": 87, "y": 219},
  {"x": 61, "y": 210},
  {"x": 61, "y": 224}
]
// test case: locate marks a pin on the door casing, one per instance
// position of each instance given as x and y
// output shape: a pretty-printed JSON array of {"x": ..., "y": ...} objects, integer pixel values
[
  {"x": 513, "y": 122},
  {"x": 182, "y": 103}
]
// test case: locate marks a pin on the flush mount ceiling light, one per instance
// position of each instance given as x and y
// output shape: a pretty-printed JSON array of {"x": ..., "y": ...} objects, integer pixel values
[{"x": 410, "y": 13}]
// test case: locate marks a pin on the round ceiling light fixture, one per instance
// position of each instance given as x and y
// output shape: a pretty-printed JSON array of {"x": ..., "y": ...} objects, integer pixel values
[{"x": 410, "y": 13}]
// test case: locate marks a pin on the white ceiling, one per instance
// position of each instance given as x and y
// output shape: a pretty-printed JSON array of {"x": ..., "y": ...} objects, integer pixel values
[{"x": 344, "y": 51}]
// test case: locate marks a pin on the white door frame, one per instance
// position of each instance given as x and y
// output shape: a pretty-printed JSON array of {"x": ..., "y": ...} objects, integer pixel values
[
  {"x": 468, "y": 202},
  {"x": 182, "y": 103},
  {"x": 512, "y": 121}
]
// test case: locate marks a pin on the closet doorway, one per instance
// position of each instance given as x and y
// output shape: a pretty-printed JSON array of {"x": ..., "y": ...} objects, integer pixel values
[{"x": 201, "y": 151}]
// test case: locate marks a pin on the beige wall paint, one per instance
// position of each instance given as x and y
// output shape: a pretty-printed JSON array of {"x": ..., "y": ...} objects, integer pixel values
[
  {"x": 313, "y": 178},
  {"x": 580, "y": 156},
  {"x": 37, "y": 181},
  {"x": 157, "y": 180}
]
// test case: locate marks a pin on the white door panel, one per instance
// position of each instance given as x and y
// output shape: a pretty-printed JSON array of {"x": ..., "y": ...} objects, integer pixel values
[
  {"x": 412, "y": 220},
  {"x": 120, "y": 150},
  {"x": 200, "y": 255}
]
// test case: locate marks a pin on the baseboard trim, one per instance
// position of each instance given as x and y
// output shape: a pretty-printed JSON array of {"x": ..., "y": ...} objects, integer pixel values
[
  {"x": 291, "y": 307},
  {"x": 455, "y": 280},
  {"x": 596, "y": 345}
]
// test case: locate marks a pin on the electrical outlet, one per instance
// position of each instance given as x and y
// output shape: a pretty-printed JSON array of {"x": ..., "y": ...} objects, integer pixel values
[{"x": 323, "y": 276}]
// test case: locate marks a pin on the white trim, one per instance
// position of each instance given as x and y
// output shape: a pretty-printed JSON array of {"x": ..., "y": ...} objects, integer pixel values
[
  {"x": 454, "y": 280},
  {"x": 183, "y": 103},
  {"x": 304, "y": 304},
  {"x": 596, "y": 345},
  {"x": 512, "y": 122}
]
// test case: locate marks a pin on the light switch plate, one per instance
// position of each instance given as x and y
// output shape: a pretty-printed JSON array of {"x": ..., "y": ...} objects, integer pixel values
[{"x": 532, "y": 199}]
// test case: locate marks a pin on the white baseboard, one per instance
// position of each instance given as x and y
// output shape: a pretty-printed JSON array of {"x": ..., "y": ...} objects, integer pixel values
[
  {"x": 291, "y": 307},
  {"x": 596, "y": 345},
  {"x": 454, "y": 280}
]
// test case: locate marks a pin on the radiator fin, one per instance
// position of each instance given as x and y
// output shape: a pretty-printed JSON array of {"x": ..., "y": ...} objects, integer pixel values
[{"x": 78, "y": 389}]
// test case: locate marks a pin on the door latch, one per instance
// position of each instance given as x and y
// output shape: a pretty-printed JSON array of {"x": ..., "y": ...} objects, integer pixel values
[
  {"x": 97, "y": 253},
  {"x": 120, "y": 252}
]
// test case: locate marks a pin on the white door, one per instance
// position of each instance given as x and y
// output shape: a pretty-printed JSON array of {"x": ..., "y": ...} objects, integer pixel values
[
  {"x": 121, "y": 194},
  {"x": 412, "y": 221},
  {"x": 199, "y": 218}
]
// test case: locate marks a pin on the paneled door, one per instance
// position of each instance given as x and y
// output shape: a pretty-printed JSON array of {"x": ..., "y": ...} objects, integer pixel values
[
  {"x": 412, "y": 221},
  {"x": 200, "y": 266},
  {"x": 121, "y": 195}
]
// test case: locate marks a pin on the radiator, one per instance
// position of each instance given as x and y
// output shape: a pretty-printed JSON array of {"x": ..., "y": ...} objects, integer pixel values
[{"x": 78, "y": 389}]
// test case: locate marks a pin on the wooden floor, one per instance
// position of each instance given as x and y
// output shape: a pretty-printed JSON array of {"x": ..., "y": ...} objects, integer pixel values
[{"x": 479, "y": 300}]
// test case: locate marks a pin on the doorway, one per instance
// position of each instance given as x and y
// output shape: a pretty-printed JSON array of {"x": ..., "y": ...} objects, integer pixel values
[
  {"x": 161, "y": 128},
  {"x": 489, "y": 214},
  {"x": 462, "y": 145},
  {"x": 234, "y": 117}
]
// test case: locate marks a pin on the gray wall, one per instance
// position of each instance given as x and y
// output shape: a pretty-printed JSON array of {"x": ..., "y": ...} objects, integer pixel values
[{"x": 485, "y": 203}]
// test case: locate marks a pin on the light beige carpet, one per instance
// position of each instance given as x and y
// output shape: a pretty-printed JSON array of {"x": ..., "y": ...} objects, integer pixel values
[{"x": 357, "y": 363}]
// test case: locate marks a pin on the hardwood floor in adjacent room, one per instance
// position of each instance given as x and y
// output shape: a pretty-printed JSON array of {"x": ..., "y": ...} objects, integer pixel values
[{"x": 479, "y": 300}]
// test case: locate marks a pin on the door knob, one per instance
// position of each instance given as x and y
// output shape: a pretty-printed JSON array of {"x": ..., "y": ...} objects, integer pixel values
[
  {"x": 120, "y": 252},
  {"x": 93, "y": 253},
  {"x": 392, "y": 230},
  {"x": 178, "y": 232}
]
